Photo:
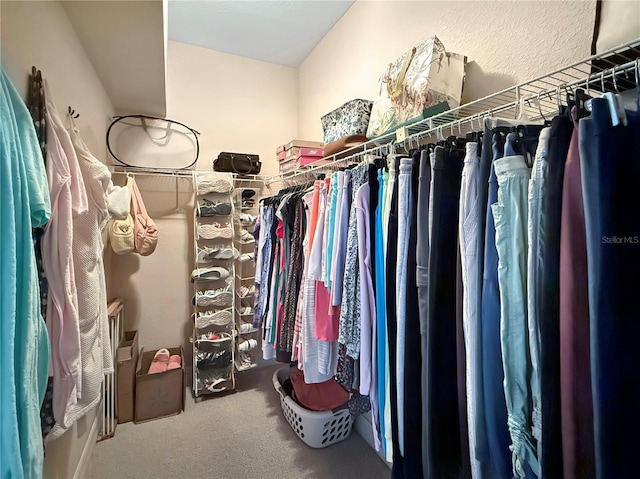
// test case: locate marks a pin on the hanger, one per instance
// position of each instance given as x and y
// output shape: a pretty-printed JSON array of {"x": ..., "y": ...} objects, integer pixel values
[
  {"x": 72, "y": 113},
  {"x": 611, "y": 100},
  {"x": 637, "y": 77}
]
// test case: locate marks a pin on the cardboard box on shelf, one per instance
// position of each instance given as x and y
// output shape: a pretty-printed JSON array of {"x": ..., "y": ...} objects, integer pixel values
[
  {"x": 312, "y": 161},
  {"x": 280, "y": 149},
  {"x": 161, "y": 394},
  {"x": 303, "y": 144},
  {"x": 282, "y": 155},
  {"x": 289, "y": 165},
  {"x": 311, "y": 152},
  {"x": 126, "y": 363},
  {"x": 292, "y": 155}
]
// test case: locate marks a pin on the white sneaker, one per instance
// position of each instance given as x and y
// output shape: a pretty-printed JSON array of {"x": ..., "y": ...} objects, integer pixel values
[
  {"x": 248, "y": 345},
  {"x": 246, "y": 257},
  {"x": 214, "y": 273},
  {"x": 207, "y": 254},
  {"x": 247, "y": 220},
  {"x": 247, "y": 328},
  {"x": 216, "y": 385},
  {"x": 211, "y": 184},
  {"x": 213, "y": 318},
  {"x": 246, "y": 237},
  {"x": 215, "y": 231},
  {"x": 220, "y": 297}
]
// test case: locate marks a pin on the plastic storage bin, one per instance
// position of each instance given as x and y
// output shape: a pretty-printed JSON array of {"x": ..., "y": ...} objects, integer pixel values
[{"x": 317, "y": 429}]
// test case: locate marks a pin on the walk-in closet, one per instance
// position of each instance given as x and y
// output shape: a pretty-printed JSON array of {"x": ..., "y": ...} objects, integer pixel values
[{"x": 319, "y": 239}]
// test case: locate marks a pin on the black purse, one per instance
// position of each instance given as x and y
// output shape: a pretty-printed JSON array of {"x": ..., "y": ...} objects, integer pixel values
[{"x": 240, "y": 163}]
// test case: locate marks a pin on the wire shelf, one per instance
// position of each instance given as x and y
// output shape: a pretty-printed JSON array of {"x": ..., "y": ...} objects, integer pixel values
[{"x": 537, "y": 99}]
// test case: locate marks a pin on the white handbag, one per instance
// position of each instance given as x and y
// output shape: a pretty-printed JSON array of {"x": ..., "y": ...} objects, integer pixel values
[{"x": 121, "y": 235}]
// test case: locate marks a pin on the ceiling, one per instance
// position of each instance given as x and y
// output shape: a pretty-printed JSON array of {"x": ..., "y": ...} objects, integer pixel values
[
  {"x": 276, "y": 31},
  {"x": 126, "y": 44}
]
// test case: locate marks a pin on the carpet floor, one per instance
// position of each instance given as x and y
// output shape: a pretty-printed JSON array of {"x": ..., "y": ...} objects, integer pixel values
[{"x": 241, "y": 435}]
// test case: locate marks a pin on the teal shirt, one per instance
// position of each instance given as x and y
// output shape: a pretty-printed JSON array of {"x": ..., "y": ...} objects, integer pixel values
[
  {"x": 24, "y": 354},
  {"x": 333, "y": 206}
]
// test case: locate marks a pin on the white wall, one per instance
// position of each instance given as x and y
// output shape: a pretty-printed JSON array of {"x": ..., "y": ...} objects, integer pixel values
[
  {"x": 505, "y": 42},
  {"x": 237, "y": 104},
  {"x": 40, "y": 34}
]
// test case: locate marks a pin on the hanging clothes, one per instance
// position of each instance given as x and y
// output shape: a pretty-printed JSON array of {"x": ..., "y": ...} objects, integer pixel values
[
  {"x": 105, "y": 201},
  {"x": 575, "y": 379},
  {"x": 473, "y": 282},
  {"x": 69, "y": 201},
  {"x": 24, "y": 354},
  {"x": 610, "y": 177}
]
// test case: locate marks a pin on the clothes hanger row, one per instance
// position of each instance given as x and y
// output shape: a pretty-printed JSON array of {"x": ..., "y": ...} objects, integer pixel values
[{"x": 577, "y": 97}]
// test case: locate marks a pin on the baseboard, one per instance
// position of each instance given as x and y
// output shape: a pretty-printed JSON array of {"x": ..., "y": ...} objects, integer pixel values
[{"x": 87, "y": 452}]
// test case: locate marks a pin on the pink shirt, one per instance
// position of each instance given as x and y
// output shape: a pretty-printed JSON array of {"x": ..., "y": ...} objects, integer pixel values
[{"x": 68, "y": 201}]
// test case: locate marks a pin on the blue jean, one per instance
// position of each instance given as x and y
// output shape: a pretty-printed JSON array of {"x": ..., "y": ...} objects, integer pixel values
[
  {"x": 535, "y": 269},
  {"x": 494, "y": 456},
  {"x": 510, "y": 214},
  {"x": 610, "y": 179},
  {"x": 404, "y": 215},
  {"x": 468, "y": 229}
]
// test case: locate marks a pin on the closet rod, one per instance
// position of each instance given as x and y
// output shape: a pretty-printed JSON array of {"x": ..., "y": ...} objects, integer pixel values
[
  {"x": 188, "y": 174},
  {"x": 533, "y": 97},
  {"x": 179, "y": 173}
]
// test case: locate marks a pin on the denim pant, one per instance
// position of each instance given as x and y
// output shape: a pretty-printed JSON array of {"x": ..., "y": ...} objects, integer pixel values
[
  {"x": 551, "y": 445},
  {"x": 404, "y": 216},
  {"x": 468, "y": 228},
  {"x": 510, "y": 216},
  {"x": 443, "y": 440},
  {"x": 610, "y": 180},
  {"x": 535, "y": 268},
  {"x": 422, "y": 282},
  {"x": 494, "y": 453},
  {"x": 484, "y": 172}
]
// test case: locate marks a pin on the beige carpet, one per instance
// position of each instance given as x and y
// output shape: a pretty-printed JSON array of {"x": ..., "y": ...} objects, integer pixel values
[{"x": 241, "y": 435}]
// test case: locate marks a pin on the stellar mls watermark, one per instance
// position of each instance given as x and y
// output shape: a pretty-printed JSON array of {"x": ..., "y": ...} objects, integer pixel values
[{"x": 621, "y": 239}]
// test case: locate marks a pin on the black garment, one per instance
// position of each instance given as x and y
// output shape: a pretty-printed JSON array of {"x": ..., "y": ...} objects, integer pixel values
[
  {"x": 294, "y": 237},
  {"x": 551, "y": 450},
  {"x": 443, "y": 446},
  {"x": 392, "y": 247},
  {"x": 413, "y": 361},
  {"x": 462, "y": 373},
  {"x": 422, "y": 283},
  {"x": 612, "y": 173}
]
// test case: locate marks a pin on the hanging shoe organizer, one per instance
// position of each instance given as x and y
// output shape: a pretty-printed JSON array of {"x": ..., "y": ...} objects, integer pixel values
[
  {"x": 213, "y": 276},
  {"x": 245, "y": 197}
]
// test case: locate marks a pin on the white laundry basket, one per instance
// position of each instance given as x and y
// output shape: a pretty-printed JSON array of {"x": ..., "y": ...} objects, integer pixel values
[{"x": 317, "y": 429}]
